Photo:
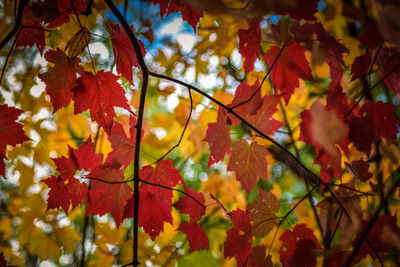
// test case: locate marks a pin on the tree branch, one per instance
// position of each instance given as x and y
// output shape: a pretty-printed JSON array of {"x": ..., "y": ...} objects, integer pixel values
[
  {"x": 145, "y": 73},
  {"x": 3, "y": 71},
  {"x": 174, "y": 189},
  {"x": 17, "y": 25},
  {"x": 374, "y": 217},
  {"x": 263, "y": 80},
  {"x": 370, "y": 89},
  {"x": 183, "y": 131},
  {"x": 297, "y": 153},
  {"x": 304, "y": 171}
]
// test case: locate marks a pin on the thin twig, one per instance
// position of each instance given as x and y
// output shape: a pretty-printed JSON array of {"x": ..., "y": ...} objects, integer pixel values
[
  {"x": 149, "y": 183},
  {"x": 374, "y": 217},
  {"x": 351, "y": 189},
  {"x": 263, "y": 80},
  {"x": 307, "y": 173},
  {"x": 17, "y": 24},
  {"x": 366, "y": 92},
  {"x": 8, "y": 57},
  {"x": 288, "y": 213},
  {"x": 84, "y": 35},
  {"x": 297, "y": 153},
  {"x": 174, "y": 189},
  {"x": 35, "y": 27},
  {"x": 183, "y": 131},
  {"x": 88, "y": 9}
]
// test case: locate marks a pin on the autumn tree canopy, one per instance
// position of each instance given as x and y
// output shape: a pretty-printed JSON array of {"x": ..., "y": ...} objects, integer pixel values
[{"x": 199, "y": 133}]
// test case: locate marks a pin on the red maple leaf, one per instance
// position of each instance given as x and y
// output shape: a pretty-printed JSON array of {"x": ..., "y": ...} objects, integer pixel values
[
  {"x": 304, "y": 9},
  {"x": 263, "y": 120},
  {"x": 336, "y": 100},
  {"x": 372, "y": 36},
  {"x": 325, "y": 130},
  {"x": 11, "y": 132},
  {"x": 195, "y": 235},
  {"x": 361, "y": 65},
  {"x": 124, "y": 54},
  {"x": 78, "y": 192},
  {"x": 291, "y": 66},
  {"x": 258, "y": 258},
  {"x": 32, "y": 32},
  {"x": 86, "y": 157},
  {"x": 189, "y": 14},
  {"x": 100, "y": 93},
  {"x": 3, "y": 262},
  {"x": 359, "y": 169},
  {"x": 66, "y": 166},
  {"x": 243, "y": 93},
  {"x": 123, "y": 146},
  {"x": 249, "y": 44},
  {"x": 164, "y": 174},
  {"x": 65, "y": 9},
  {"x": 106, "y": 197},
  {"x": 60, "y": 79},
  {"x": 332, "y": 47},
  {"x": 238, "y": 238},
  {"x": 291, "y": 249},
  {"x": 156, "y": 202},
  {"x": 154, "y": 210},
  {"x": 388, "y": 59},
  {"x": 249, "y": 163},
  {"x": 58, "y": 194},
  {"x": 376, "y": 120},
  {"x": 376, "y": 237},
  {"x": 82, "y": 158},
  {"x": 163, "y": 4},
  {"x": 188, "y": 206},
  {"x": 218, "y": 138},
  {"x": 303, "y": 256},
  {"x": 73, "y": 191}
]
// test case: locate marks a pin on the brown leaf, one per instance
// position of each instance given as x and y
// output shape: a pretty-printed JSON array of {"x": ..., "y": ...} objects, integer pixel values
[
  {"x": 262, "y": 213},
  {"x": 77, "y": 44}
]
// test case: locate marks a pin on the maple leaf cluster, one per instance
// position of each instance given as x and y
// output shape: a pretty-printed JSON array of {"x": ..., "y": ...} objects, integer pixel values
[{"x": 309, "y": 114}]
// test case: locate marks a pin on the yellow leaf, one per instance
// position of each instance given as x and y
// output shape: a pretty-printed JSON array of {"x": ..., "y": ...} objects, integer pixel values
[
  {"x": 6, "y": 228},
  {"x": 101, "y": 259},
  {"x": 67, "y": 237}
]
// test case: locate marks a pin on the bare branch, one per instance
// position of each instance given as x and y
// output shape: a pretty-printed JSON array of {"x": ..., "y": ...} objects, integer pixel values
[
  {"x": 145, "y": 73},
  {"x": 374, "y": 217},
  {"x": 17, "y": 25}
]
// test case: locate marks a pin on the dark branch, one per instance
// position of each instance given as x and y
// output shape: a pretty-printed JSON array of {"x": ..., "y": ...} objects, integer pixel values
[
  {"x": 149, "y": 183},
  {"x": 183, "y": 131},
  {"x": 174, "y": 189},
  {"x": 17, "y": 24},
  {"x": 366, "y": 92},
  {"x": 309, "y": 193},
  {"x": 374, "y": 217},
  {"x": 88, "y": 9},
  {"x": 263, "y": 80},
  {"x": 307, "y": 174},
  {"x": 3, "y": 71},
  {"x": 145, "y": 73}
]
